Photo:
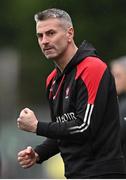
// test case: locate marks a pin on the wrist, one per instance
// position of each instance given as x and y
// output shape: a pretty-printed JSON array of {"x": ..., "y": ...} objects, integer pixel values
[
  {"x": 35, "y": 127},
  {"x": 37, "y": 157}
]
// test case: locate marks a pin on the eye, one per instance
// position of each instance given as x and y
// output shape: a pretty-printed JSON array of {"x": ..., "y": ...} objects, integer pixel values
[
  {"x": 39, "y": 35},
  {"x": 51, "y": 33}
]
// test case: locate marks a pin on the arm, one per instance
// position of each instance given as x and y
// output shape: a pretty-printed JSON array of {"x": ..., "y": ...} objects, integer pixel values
[{"x": 46, "y": 150}]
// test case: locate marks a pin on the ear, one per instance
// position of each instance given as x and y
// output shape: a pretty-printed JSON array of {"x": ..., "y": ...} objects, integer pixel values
[{"x": 70, "y": 34}]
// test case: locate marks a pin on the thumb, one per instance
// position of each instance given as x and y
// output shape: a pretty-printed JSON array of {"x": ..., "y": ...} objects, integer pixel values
[
  {"x": 29, "y": 150},
  {"x": 26, "y": 110}
]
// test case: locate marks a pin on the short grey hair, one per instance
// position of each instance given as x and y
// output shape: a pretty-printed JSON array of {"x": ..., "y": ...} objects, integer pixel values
[{"x": 54, "y": 13}]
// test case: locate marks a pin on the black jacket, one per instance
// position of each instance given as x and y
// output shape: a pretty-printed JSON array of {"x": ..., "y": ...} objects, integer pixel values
[{"x": 85, "y": 119}]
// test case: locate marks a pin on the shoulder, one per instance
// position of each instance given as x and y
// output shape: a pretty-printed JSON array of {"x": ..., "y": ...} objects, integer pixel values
[
  {"x": 50, "y": 77},
  {"x": 91, "y": 65}
]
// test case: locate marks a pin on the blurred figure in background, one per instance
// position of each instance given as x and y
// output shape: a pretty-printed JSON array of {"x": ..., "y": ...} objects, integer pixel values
[{"x": 118, "y": 68}]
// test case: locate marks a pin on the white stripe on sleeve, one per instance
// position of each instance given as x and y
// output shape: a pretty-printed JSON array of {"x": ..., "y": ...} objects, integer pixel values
[{"x": 86, "y": 121}]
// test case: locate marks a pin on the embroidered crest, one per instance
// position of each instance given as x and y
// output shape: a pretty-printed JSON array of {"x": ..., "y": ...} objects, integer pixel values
[{"x": 67, "y": 93}]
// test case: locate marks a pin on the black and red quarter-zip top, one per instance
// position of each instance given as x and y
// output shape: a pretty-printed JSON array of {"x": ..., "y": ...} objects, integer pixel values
[{"x": 84, "y": 125}]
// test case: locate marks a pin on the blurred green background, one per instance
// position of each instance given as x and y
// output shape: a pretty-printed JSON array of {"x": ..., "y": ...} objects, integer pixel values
[{"x": 23, "y": 68}]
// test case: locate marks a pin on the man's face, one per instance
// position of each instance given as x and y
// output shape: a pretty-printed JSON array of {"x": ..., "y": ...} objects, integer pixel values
[{"x": 53, "y": 38}]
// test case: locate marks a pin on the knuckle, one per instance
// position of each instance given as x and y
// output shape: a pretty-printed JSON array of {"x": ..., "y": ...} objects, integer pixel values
[
  {"x": 19, "y": 158},
  {"x": 21, "y": 163},
  {"x": 19, "y": 154},
  {"x": 21, "y": 116},
  {"x": 18, "y": 120}
]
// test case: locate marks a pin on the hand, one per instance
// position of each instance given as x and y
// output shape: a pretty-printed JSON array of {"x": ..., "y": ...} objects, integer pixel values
[
  {"x": 27, "y": 157},
  {"x": 27, "y": 120}
]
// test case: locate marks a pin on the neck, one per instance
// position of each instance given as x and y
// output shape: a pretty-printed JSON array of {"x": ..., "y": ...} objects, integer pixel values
[{"x": 62, "y": 62}]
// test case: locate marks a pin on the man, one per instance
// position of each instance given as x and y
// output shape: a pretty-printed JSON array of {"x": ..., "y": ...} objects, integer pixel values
[
  {"x": 83, "y": 104},
  {"x": 118, "y": 68}
]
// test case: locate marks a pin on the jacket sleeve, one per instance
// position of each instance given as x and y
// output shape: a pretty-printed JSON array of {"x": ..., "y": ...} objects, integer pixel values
[
  {"x": 47, "y": 149},
  {"x": 89, "y": 81}
]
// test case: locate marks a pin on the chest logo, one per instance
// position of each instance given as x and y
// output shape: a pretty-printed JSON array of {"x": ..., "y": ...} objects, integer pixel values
[{"x": 67, "y": 93}]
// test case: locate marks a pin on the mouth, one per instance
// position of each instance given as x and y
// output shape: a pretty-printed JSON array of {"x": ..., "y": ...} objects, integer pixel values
[{"x": 47, "y": 48}]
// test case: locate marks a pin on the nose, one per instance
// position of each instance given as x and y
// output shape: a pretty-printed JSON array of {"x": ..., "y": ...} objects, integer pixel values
[{"x": 44, "y": 40}]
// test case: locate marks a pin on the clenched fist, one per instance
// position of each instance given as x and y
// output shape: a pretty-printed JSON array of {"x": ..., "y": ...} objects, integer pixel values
[
  {"x": 27, "y": 157},
  {"x": 27, "y": 120}
]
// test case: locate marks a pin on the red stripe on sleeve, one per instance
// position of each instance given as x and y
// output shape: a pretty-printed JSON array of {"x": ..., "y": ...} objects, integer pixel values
[{"x": 91, "y": 71}]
